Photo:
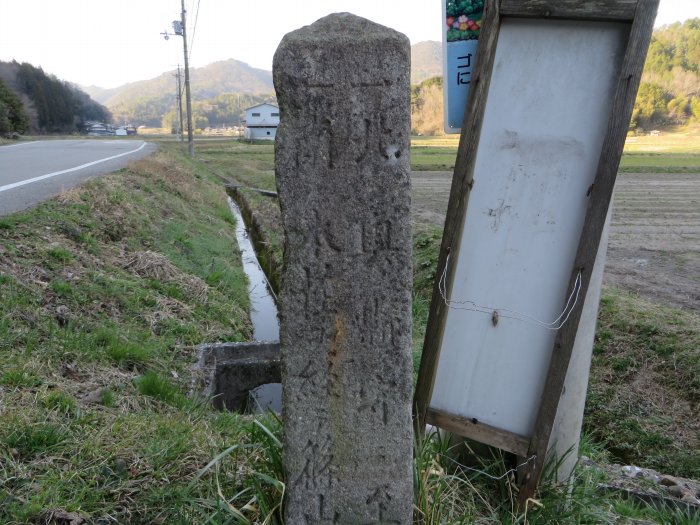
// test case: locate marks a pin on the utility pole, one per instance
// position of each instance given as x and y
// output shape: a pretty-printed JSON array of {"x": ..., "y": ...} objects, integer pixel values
[
  {"x": 179, "y": 104},
  {"x": 179, "y": 28},
  {"x": 188, "y": 99}
]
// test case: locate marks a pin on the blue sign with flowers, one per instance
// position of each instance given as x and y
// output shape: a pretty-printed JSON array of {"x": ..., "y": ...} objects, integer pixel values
[{"x": 460, "y": 36}]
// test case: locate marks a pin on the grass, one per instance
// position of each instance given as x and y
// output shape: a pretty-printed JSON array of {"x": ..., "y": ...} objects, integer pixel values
[
  {"x": 16, "y": 378},
  {"x": 426, "y": 246},
  {"x": 25, "y": 440},
  {"x": 254, "y": 164},
  {"x": 128, "y": 354},
  {"x": 682, "y": 140},
  {"x": 106, "y": 290},
  {"x": 645, "y": 384},
  {"x": 260, "y": 497},
  {"x": 433, "y": 158},
  {"x": 646, "y": 331},
  {"x": 446, "y": 490},
  {"x": 676, "y": 152},
  {"x": 159, "y": 387},
  {"x": 660, "y": 163}
]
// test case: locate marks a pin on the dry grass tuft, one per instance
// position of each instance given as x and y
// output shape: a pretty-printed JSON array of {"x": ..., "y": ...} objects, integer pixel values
[
  {"x": 72, "y": 196},
  {"x": 173, "y": 308},
  {"x": 168, "y": 308},
  {"x": 152, "y": 265}
]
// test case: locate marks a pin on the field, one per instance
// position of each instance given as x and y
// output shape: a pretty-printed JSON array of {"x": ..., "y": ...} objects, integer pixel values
[
  {"x": 645, "y": 379},
  {"x": 107, "y": 289},
  {"x": 640, "y": 407},
  {"x": 654, "y": 247}
]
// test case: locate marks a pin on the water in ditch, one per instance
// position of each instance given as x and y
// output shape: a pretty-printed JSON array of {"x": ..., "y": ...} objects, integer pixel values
[{"x": 263, "y": 311}]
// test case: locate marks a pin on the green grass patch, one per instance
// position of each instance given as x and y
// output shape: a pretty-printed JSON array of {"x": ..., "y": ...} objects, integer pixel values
[
  {"x": 114, "y": 280},
  {"x": 60, "y": 255},
  {"x": 107, "y": 397},
  {"x": 249, "y": 164},
  {"x": 660, "y": 163},
  {"x": 426, "y": 247},
  {"x": 19, "y": 379},
  {"x": 679, "y": 141},
  {"x": 430, "y": 158},
  {"x": 154, "y": 385},
  {"x": 28, "y": 440},
  {"x": 62, "y": 288},
  {"x": 645, "y": 381},
  {"x": 129, "y": 354},
  {"x": 670, "y": 153},
  {"x": 61, "y": 402}
]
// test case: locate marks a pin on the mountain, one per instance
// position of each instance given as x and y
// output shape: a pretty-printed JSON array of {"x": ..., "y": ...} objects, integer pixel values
[
  {"x": 669, "y": 93},
  {"x": 99, "y": 94},
  {"x": 147, "y": 101},
  {"x": 221, "y": 90},
  {"x": 226, "y": 76},
  {"x": 426, "y": 61}
]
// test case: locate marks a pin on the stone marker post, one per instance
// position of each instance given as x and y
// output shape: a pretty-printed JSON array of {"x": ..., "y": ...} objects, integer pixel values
[{"x": 342, "y": 166}]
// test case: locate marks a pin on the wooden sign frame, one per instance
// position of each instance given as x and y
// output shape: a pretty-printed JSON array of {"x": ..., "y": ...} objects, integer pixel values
[{"x": 640, "y": 16}]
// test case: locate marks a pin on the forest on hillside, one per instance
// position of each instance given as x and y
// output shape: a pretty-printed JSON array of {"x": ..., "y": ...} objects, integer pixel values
[
  {"x": 225, "y": 110},
  {"x": 669, "y": 93},
  {"x": 13, "y": 117},
  {"x": 31, "y": 100},
  {"x": 427, "y": 107},
  {"x": 670, "y": 89}
]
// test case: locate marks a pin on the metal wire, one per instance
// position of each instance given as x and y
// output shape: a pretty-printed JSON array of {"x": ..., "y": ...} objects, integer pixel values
[
  {"x": 483, "y": 473},
  {"x": 520, "y": 316}
]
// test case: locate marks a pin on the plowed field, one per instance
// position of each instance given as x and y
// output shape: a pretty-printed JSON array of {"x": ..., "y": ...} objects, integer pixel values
[{"x": 654, "y": 246}]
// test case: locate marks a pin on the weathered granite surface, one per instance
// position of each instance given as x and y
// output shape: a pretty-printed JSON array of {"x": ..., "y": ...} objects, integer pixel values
[{"x": 342, "y": 166}]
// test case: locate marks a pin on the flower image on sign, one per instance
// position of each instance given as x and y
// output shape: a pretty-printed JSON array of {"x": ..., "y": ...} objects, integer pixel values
[
  {"x": 460, "y": 36},
  {"x": 463, "y": 19}
]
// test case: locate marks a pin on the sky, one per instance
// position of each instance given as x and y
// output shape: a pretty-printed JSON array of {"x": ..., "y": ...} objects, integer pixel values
[{"x": 108, "y": 43}]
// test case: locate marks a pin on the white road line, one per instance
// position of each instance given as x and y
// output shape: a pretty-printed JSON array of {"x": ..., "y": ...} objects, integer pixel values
[
  {"x": 55, "y": 173},
  {"x": 18, "y": 145}
]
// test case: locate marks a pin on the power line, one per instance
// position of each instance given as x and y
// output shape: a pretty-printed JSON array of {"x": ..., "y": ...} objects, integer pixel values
[{"x": 194, "y": 29}]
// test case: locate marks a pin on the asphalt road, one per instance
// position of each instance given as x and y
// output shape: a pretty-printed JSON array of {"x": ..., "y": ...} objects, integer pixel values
[{"x": 31, "y": 172}]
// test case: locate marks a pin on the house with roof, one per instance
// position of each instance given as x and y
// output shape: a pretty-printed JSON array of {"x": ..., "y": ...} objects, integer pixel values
[
  {"x": 261, "y": 122},
  {"x": 98, "y": 129}
]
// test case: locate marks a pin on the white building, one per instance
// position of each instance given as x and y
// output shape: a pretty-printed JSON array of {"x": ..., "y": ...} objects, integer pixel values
[{"x": 261, "y": 121}]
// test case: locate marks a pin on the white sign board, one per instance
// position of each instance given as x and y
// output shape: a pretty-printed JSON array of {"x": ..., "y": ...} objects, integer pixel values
[
  {"x": 541, "y": 139},
  {"x": 548, "y": 110}
]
